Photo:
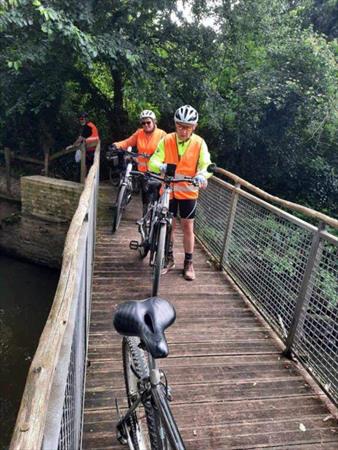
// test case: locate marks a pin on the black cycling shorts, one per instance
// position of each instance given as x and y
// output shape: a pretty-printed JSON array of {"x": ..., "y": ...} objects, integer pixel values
[{"x": 186, "y": 208}]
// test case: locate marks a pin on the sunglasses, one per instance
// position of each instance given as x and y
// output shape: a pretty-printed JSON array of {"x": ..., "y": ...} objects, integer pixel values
[
  {"x": 148, "y": 122},
  {"x": 184, "y": 127}
]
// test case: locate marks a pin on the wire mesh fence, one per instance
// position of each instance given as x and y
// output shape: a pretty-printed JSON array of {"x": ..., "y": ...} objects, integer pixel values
[
  {"x": 316, "y": 340},
  {"x": 270, "y": 254}
]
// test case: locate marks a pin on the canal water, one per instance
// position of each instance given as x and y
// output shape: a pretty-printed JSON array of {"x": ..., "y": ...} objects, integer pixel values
[{"x": 26, "y": 295}]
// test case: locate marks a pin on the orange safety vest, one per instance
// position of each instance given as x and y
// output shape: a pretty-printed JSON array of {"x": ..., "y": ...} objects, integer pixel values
[
  {"x": 186, "y": 165},
  {"x": 147, "y": 143},
  {"x": 92, "y": 140}
]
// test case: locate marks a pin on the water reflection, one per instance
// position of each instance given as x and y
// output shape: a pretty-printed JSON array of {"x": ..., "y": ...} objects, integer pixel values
[{"x": 26, "y": 294}]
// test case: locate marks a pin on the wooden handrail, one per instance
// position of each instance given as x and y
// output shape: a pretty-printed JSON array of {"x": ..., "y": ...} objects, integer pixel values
[
  {"x": 63, "y": 152},
  {"x": 31, "y": 419},
  {"x": 56, "y": 155},
  {"x": 47, "y": 159},
  {"x": 286, "y": 204},
  {"x": 24, "y": 158}
]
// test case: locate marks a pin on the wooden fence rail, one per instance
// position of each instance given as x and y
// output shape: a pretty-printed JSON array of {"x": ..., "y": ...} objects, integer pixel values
[{"x": 45, "y": 163}]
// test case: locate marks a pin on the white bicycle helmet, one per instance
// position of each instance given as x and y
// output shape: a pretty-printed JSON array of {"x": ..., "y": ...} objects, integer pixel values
[
  {"x": 186, "y": 114},
  {"x": 147, "y": 114}
]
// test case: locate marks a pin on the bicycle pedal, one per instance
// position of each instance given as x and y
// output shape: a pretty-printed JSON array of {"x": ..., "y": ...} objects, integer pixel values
[{"x": 133, "y": 245}]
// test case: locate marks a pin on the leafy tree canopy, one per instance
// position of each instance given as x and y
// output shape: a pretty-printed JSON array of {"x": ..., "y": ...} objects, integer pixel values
[{"x": 263, "y": 77}]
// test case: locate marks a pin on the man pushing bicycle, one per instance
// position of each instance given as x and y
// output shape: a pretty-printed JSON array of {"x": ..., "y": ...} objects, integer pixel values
[{"x": 190, "y": 154}]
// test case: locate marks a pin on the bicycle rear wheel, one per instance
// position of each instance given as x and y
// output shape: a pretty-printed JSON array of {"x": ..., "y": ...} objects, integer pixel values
[
  {"x": 120, "y": 205},
  {"x": 144, "y": 423},
  {"x": 159, "y": 258}
]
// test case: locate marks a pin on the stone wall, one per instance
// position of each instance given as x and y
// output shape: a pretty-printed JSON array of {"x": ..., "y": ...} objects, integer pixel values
[
  {"x": 49, "y": 198},
  {"x": 38, "y": 233}
]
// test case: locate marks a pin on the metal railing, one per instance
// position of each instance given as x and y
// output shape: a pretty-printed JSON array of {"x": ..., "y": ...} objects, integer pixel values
[
  {"x": 287, "y": 267},
  {"x": 51, "y": 411}
]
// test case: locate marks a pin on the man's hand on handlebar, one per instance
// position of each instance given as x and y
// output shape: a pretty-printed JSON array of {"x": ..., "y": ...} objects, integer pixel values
[
  {"x": 163, "y": 168},
  {"x": 113, "y": 148},
  {"x": 201, "y": 181}
]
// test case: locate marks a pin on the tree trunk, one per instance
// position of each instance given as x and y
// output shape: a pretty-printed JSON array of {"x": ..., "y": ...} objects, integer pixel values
[{"x": 120, "y": 116}]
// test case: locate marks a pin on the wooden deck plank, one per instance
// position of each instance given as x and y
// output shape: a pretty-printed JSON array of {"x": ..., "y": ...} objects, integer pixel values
[{"x": 232, "y": 389}]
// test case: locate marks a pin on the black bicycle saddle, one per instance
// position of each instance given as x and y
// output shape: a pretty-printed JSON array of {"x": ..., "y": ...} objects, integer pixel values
[{"x": 146, "y": 319}]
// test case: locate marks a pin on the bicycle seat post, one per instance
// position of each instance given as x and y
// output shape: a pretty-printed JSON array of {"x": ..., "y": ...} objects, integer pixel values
[{"x": 154, "y": 372}]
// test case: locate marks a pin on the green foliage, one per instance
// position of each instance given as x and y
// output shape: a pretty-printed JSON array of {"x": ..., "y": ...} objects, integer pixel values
[
  {"x": 263, "y": 79},
  {"x": 279, "y": 86}
]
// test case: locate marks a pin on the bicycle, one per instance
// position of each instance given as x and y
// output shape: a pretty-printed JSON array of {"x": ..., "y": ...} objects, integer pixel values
[
  {"x": 148, "y": 422},
  {"x": 112, "y": 159},
  {"x": 127, "y": 184},
  {"x": 155, "y": 227}
]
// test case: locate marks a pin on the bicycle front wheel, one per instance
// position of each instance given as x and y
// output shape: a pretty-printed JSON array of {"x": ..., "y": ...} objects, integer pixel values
[
  {"x": 120, "y": 205},
  {"x": 159, "y": 258},
  {"x": 144, "y": 422}
]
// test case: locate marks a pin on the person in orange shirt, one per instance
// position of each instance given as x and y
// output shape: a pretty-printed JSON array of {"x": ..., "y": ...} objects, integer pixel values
[
  {"x": 146, "y": 140},
  {"x": 90, "y": 135}
]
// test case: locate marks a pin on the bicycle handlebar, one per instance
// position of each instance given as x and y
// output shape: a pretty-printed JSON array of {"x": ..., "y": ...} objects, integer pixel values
[
  {"x": 166, "y": 179},
  {"x": 114, "y": 148},
  {"x": 212, "y": 168}
]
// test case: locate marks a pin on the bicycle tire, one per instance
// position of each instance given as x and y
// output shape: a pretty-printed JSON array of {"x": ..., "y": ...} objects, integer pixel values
[
  {"x": 136, "y": 187},
  {"x": 114, "y": 178},
  {"x": 143, "y": 433},
  {"x": 159, "y": 258},
  {"x": 144, "y": 246},
  {"x": 119, "y": 208}
]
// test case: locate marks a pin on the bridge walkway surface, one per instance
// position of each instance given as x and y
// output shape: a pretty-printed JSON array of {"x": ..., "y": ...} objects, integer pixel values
[{"x": 231, "y": 387}]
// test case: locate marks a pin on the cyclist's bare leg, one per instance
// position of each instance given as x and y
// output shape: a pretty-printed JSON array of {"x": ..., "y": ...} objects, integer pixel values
[
  {"x": 188, "y": 235},
  {"x": 189, "y": 243},
  {"x": 173, "y": 231},
  {"x": 170, "y": 264}
]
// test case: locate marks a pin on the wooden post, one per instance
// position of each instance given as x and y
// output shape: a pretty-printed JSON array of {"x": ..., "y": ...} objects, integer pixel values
[
  {"x": 46, "y": 160},
  {"x": 8, "y": 169},
  {"x": 229, "y": 227},
  {"x": 83, "y": 162}
]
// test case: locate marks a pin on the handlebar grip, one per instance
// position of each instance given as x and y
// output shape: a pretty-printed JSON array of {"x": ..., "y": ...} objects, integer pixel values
[{"x": 212, "y": 168}]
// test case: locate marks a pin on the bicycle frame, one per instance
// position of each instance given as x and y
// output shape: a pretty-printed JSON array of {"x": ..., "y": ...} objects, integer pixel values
[
  {"x": 126, "y": 179},
  {"x": 123, "y": 194},
  {"x": 127, "y": 176},
  {"x": 154, "y": 390},
  {"x": 161, "y": 211}
]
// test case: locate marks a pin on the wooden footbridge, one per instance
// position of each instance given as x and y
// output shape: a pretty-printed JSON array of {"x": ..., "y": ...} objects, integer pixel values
[{"x": 232, "y": 386}]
